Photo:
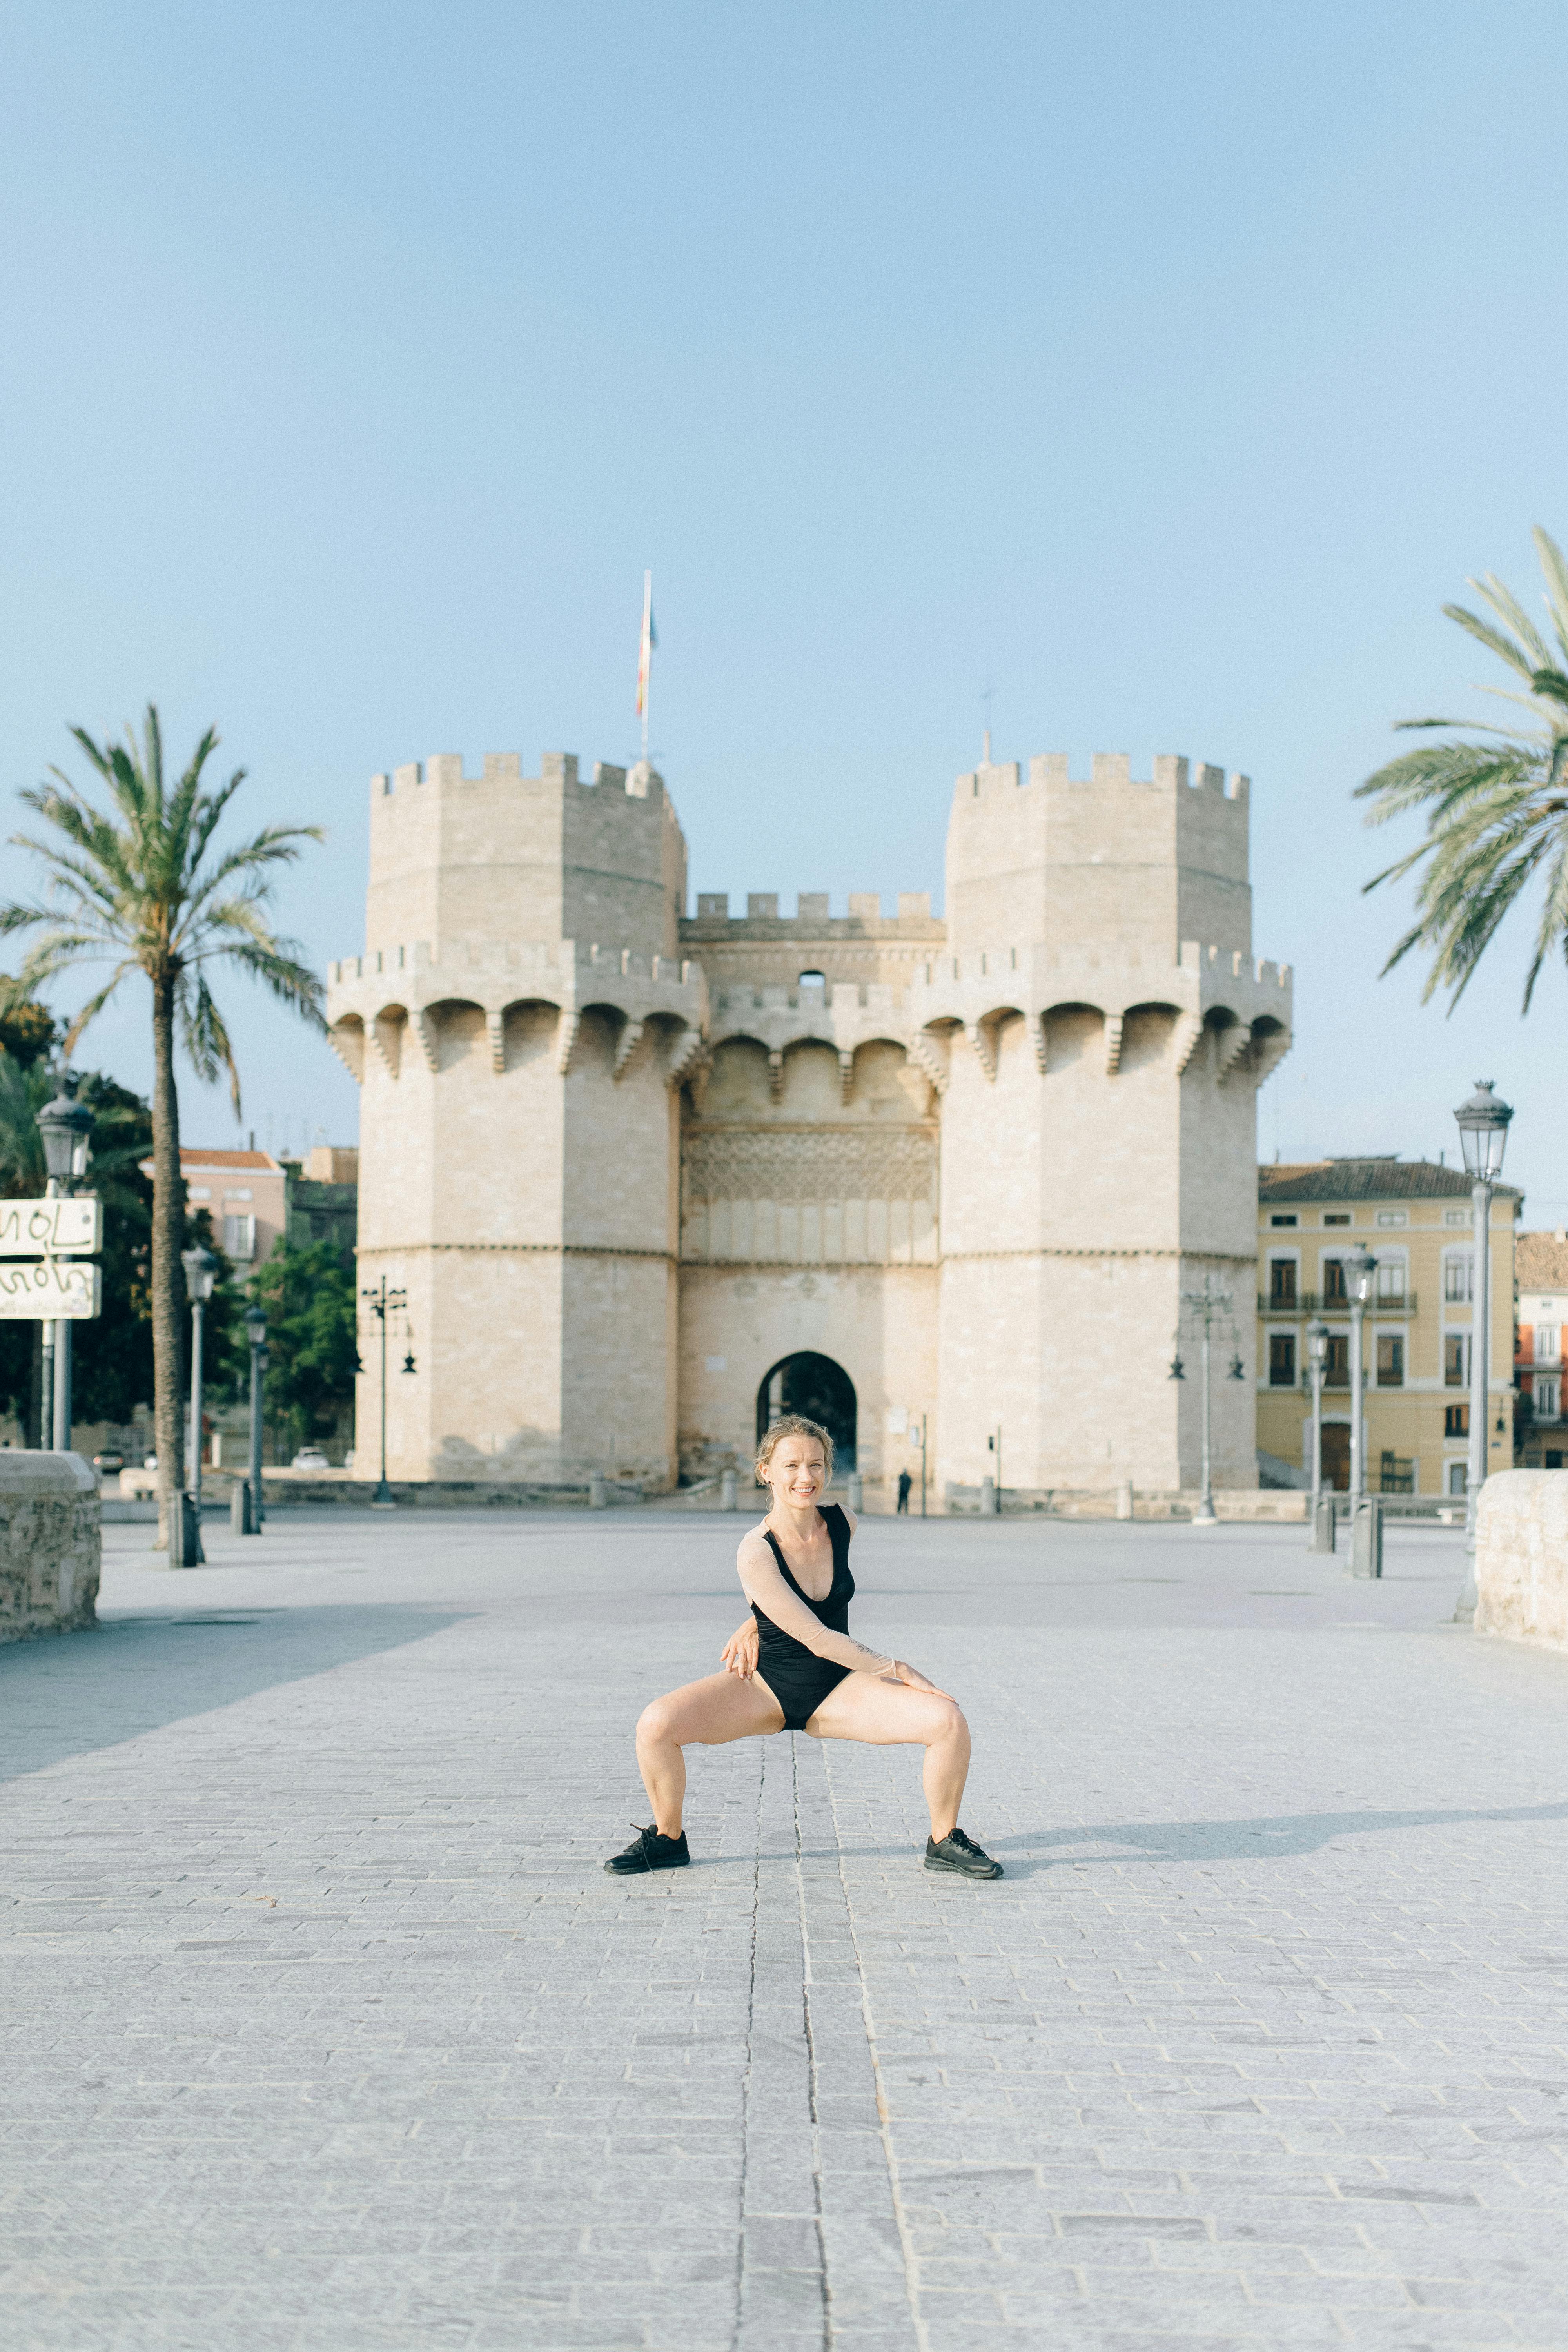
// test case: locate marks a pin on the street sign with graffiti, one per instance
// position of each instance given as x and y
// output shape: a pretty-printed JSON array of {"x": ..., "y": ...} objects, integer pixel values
[
  {"x": 57, "y": 1291},
  {"x": 37, "y": 1228}
]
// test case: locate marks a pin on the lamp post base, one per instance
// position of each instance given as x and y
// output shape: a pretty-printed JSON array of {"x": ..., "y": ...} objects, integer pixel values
[
  {"x": 1206, "y": 1515},
  {"x": 382, "y": 1498}
]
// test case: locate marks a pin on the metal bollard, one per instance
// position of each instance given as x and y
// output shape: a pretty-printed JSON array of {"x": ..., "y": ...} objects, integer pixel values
[
  {"x": 598, "y": 1495},
  {"x": 1124, "y": 1499},
  {"x": 727, "y": 1501},
  {"x": 1324, "y": 1526},
  {"x": 857, "y": 1493},
  {"x": 988, "y": 1499},
  {"x": 239, "y": 1506},
  {"x": 1366, "y": 1535}
]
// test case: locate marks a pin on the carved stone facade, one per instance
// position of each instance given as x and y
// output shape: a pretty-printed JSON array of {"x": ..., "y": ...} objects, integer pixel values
[{"x": 623, "y": 1162}]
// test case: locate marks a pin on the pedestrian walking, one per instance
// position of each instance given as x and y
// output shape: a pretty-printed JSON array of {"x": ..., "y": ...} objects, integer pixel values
[
  {"x": 793, "y": 1666},
  {"x": 905, "y": 1482}
]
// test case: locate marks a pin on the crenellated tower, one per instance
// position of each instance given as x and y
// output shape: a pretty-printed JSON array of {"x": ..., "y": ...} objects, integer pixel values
[{"x": 631, "y": 1166}]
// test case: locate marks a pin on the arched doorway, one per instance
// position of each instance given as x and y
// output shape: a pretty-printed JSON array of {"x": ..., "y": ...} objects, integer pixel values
[{"x": 821, "y": 1391}]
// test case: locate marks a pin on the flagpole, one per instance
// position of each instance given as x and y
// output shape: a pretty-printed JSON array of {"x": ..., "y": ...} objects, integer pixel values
[{"x": 647, "y": 680}]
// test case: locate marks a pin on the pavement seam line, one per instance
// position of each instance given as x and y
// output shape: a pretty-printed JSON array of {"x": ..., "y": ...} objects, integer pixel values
[{"x": 795, "y": 1740}]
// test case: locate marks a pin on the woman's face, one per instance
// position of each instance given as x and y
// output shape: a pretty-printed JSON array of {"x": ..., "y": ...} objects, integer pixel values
[{"x": 797, "y": 1472}]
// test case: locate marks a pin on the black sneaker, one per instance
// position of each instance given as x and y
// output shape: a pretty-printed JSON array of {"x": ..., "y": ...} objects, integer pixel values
[
  {"x": 651, "y": 1849},
  {"x": 961, "y": 1855}
]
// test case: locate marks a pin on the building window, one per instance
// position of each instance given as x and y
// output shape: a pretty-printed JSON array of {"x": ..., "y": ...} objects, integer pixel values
[
  {"x": 1548, "y": 1396},
  {"x": 1459, "y": 1477},
  {"x": 1333, "y": 1282},
  {"x": 1391, "y": 1279},
  {"x": 1282, "y": 1282},
  {"x": 1552, "y": 1459},
  {"x": 239, "y": 1237},
  {"x": 199, "y": 1192},
  {"x": 1458, "y": 1217},
  {"x": 1282, "y": 1359},
  {"x": 1456, "y": 1360},
  {"x": 1336, "y": 1221},
  {"x": 1396, "y": 1474},
  {"x": 1391, "y": 1359},
  {"x": 1547, "y": 1338},
  {"x": 1391, "y": 1217},
  {"x": 238, "y": 1192},
  {"x": 1456, "y": 1420},
  {"x": 1459, "y": 1279},
  {"x": 1283, "y": 1221},
  {"x": 1337, "y": 1363}
]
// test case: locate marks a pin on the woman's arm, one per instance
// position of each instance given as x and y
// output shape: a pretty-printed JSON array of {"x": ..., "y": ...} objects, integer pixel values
[{"x": 760, "y": 1582}]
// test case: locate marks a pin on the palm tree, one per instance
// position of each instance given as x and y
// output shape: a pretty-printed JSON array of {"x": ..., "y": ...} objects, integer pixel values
[
  {"x": 1497, "y": 811},
  {"x": 129, "y": 887}
]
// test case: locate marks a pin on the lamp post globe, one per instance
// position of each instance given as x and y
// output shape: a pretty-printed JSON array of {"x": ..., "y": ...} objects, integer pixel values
[
  {"x": 1317, "y": 1336},
  {"x": 65, "y": 1128},
  {"x": 200, "y": 1271},
  {"x": 1483, "y": 1122}
]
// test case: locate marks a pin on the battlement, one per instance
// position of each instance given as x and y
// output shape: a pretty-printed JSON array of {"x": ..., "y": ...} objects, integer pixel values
[
  {"x": 812, "y": 920},
  {"x": 1109, "y": 771},
  {"x": 428, "y": 779}
]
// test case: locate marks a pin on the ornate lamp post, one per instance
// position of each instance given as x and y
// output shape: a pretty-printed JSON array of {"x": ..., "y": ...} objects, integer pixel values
[
  {"x": 1316, "y": 1363},
  {"x": 381, "y": 1302},
  {"x": 65, "y": 1129},
  {"x": 1209, "y": 1307},
  {"x": 201, "y": 1271},
  {"x": 255, "y": 1332},
  {"x": 1483, "y": 1132},
  {"x": 1360, "y": 1270}
]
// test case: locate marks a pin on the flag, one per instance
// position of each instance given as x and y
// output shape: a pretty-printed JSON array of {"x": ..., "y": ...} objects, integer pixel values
[{"x": 649, "y": 640}]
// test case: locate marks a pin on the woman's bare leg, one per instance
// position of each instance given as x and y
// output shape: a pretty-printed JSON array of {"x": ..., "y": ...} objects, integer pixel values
[
  {"x": 887, "y": 1714},
  {"x": 708, "y": 1714}
]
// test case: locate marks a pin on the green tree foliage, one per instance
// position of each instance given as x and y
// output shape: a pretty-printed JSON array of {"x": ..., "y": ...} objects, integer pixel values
[
  {"x": 1496, "y": 810},
  {"x": 132, "y": 885},
  {"x": 308, "y": 1296}
]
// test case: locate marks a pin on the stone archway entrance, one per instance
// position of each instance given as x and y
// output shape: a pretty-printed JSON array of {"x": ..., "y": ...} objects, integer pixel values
[{"x": 821, "y": 1390}]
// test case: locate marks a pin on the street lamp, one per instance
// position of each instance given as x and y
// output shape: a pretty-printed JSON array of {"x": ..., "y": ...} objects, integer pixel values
[
  {"x": 1317, "y": 1364},
  {"x": 1483, "y": 1132},
  {"x": 381, "y": 1302},
  {"x": 1209, "y": 1307},
  {"x": 255, "y": 1332},
  {"x": 65, "y": 1129},
  {"x": 1359, "y": 1272},
  {"x": 201, "y": 1271}
]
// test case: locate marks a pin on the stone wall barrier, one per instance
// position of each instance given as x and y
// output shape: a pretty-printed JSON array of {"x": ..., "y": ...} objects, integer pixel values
[
  {"x": 50, "y": 1544},
  {"x": 1522, "y": 1556}
]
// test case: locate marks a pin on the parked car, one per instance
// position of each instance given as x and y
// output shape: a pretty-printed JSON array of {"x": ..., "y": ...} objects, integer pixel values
[
  {"x": 109, "y": 1465},
  {"x": 309, "y": 1457}
]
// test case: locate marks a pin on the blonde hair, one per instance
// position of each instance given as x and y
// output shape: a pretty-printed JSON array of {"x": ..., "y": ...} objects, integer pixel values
[{"x": 793, "y": 1424}]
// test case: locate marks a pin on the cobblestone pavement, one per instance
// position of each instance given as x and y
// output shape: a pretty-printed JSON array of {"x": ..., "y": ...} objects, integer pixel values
[{"x": 323, "y": 2030}]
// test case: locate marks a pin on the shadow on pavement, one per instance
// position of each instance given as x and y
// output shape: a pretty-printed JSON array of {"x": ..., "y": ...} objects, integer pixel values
[
  {"x": 1267, "y": 1836},
  {"x": 70, "y": 1695}
]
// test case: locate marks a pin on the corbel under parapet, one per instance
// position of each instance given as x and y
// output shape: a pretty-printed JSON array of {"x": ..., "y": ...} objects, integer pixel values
[
  {"x": 419, "y": 1023},
  {"x": 566, "y": 1038},
  {"x": 928, "y": 1058},
  {"x": 1189, "y": 1033},
  {"x": 495, "y": 1028},
  {"x": 630, "y": 1038},
  {"x": 846, "y": 1076},
  {"x": 690, "y": 1054},
  {"x": 354, "y": 1066},
  {"x": 985, "y": 1046},
  {"x": 775, "y": 1073},
  {"x": 1234, "y": 1042},
  {"x": 1112, "y": 1043},
  {"x": 1040, "y": 1040}
]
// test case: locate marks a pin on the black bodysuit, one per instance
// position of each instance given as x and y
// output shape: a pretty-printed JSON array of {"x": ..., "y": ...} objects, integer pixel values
[{"x": 797, "y": 1678}]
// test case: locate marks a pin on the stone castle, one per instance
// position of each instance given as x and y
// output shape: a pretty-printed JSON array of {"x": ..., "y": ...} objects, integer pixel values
[{"x": 646, "y": 1176}]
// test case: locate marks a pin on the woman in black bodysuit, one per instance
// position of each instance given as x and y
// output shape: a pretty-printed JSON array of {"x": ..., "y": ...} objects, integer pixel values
[{"x": 794, "y": 1666}]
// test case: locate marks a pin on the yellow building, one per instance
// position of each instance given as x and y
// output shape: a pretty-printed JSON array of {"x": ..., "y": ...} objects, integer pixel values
[{"x": 1417, "y": 1222}]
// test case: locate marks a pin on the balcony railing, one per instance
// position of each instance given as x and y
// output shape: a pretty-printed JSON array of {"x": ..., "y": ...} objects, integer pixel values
[{"x": 1313, "y": 1302}]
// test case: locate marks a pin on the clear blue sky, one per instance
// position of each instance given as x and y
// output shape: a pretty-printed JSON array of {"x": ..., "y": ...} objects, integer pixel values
[{"x": 1164, "y": 369}]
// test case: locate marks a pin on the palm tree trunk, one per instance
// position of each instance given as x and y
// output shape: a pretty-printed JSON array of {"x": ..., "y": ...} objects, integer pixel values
[{"x": 168, "y": 1276}]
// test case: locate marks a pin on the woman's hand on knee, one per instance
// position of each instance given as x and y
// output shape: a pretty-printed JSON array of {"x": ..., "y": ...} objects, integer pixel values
[
  {"x": 740, "y": 1651},
  {"x": 900, "y": 1671}
]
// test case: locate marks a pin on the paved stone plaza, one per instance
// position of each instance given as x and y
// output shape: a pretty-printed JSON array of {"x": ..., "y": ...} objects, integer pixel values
[{"x": 324, "y": 2030}]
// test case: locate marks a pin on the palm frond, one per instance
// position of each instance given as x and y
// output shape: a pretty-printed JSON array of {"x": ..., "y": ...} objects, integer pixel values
[
  {"x": 1550, "y": 557},
  {"x": 1493, "y": 640},
  {"x": 1507, "y": 606}
]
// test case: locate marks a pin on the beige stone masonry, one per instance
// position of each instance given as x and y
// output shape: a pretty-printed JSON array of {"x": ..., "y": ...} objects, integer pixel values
[{"x": 51, "y": 1542}]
